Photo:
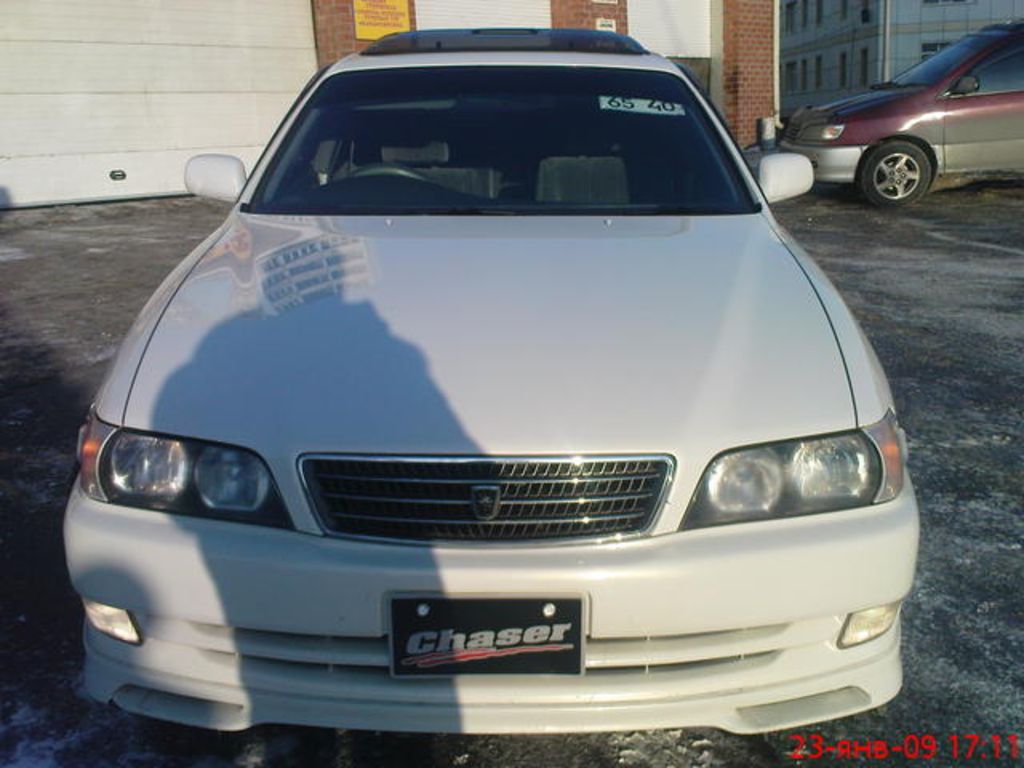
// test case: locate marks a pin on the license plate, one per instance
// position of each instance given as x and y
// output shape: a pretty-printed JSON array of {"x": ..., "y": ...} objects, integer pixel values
[{"x": 438, "y": 636}]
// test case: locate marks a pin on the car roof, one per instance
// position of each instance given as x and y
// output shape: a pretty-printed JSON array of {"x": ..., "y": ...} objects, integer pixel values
[
  {"x": 1014, "y": 27},
  {"x": 505, "y": 47},
  {"x": 505, "y": 39}
]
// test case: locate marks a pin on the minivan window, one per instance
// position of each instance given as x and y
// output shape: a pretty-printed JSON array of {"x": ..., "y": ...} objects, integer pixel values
[
  {"x": 1004, "y": 73},
  {"x": 520, "y": 140},
  {"x": 934, "y": 68}
]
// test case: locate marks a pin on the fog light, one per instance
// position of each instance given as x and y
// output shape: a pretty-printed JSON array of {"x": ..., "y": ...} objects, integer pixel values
[
  {"x": 868, "y": 624},
  {"x": 115, "y": 622}
]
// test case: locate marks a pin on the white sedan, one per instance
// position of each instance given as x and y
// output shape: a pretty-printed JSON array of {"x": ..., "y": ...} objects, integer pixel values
[{"x": 499, "y": 403}]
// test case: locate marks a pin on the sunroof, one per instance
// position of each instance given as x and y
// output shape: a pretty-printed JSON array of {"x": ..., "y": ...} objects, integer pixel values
[{"x": 505, "y": 39}]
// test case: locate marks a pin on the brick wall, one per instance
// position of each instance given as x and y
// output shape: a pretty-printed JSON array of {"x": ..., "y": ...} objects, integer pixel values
[
  {"x": 585, "y": 13},
  {"x": 335, "y": 26},
  {"x": 748, "y": 70}
]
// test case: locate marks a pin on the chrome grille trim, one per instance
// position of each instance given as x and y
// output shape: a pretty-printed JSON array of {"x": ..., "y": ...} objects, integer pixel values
[{"x": 428, "y": 499}]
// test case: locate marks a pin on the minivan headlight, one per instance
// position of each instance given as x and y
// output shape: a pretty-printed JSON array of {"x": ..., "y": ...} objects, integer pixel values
[
  {"x": 829, "y": 132},
  {"x": 182, "y": 476},
  {"x": 801, "y": 477}
]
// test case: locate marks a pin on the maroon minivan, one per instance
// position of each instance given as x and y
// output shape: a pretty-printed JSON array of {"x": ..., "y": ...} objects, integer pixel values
[{"x": 960, "y": 111}]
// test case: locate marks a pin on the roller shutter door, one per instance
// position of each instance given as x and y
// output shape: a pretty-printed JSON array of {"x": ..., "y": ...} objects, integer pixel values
[{"x": 104, "y": 87}]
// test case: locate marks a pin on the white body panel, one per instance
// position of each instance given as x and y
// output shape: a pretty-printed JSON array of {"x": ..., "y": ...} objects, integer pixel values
[
  {"x": 486, "y": 335},
  {"x": 139, "y": 88}
]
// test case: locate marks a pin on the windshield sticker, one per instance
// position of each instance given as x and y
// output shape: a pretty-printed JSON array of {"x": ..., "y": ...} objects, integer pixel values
[{"x": 641, "y": 106}]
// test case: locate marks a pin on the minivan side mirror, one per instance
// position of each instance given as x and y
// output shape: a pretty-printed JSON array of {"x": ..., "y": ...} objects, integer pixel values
[
  {"x": 965, "y": 85},
  {"x": 785, "y": 175},
  {"x": 218, "y": 177}
]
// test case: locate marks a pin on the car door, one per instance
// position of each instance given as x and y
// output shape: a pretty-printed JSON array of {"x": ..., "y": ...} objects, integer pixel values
[{"x": 984, "y": 130}]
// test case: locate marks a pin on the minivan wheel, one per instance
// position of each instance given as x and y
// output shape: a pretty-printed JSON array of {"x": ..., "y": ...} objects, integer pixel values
[{"x": 895, "y": 173}]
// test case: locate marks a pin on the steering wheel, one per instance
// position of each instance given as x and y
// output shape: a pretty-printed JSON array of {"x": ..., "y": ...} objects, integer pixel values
[{"x": 386, "y": 169}]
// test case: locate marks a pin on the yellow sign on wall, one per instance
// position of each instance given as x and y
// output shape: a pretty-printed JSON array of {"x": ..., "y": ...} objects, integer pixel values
[{"x": 376, "y": 18}]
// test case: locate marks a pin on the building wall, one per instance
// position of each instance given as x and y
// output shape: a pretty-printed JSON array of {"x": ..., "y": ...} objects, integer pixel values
[
  {"x": 586, "y": 13},
  {"x": 674, "y": 28},
  {"x": 748, "y": 65},
  {"x": 835, "y": 36}
]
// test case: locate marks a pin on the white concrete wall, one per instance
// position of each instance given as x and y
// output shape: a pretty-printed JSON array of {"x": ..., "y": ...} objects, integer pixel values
[
  {"x": 445, "y": 14},
  {"x": 91, "y": 86},
  {"x": 672, "y": 27}
]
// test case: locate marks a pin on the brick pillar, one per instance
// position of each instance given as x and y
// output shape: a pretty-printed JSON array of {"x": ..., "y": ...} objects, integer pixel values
[
  {"x": 334, "y": 23},
  {"x": 583, "y": 14},
  {"x": 748, "y": 74}
]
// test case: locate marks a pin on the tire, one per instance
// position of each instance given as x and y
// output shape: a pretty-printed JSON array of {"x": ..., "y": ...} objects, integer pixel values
[{"x": 895, "y": 173}]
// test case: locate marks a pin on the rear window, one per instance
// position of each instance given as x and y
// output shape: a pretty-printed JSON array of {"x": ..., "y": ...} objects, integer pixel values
[{"x": 491, "y": 140}]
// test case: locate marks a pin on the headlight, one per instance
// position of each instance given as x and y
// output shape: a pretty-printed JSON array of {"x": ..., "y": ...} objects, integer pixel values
[
  {"x": 822, "y": 132},
  {"x": 228, "y": 478},
  {"x": 801, "y": 477},
  {"x": 185, "y": 477}
]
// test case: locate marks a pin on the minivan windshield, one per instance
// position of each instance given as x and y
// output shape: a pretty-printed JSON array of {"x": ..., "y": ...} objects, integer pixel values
[
  {"x": 936, "y": 67},
  {"x": 502, "y": 140}
]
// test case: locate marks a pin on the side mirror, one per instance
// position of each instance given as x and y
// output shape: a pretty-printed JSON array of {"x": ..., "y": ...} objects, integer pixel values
[
  {"x": 218, "y": 177},
  {"x": 785, "y": 175},
  {"x": 965, "y": 85}
]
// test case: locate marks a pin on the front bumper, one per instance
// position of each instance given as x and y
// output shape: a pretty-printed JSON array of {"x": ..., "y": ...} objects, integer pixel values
[
  {"x": 831, "y": 163},
  {"x": 729, "y": 627}
]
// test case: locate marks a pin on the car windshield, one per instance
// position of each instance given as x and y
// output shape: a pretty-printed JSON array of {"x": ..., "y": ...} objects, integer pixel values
[
  {"x": 934, "y": 68},
  {"x": 502, "y": 140}
]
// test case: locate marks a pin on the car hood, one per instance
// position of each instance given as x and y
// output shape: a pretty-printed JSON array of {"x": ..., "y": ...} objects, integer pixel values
[
  {"x": 850, "y": 105},
  {"x": 497, "y": 335}
]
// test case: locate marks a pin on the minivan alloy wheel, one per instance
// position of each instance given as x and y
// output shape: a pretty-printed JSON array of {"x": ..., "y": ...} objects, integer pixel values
[
  {"x": 897, "y": 176},
  {"x": 895, "y": 173}
]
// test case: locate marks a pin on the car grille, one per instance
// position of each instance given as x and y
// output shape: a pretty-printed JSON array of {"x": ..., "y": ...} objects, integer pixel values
[
  {"x": 802, "y": 121},
  {"x": 486, "y": 499}
]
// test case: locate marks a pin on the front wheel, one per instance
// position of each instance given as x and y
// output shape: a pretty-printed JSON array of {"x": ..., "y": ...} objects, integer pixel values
[{"x": 895, "y": 173}]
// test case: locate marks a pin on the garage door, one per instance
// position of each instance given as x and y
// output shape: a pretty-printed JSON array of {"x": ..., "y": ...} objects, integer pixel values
[
  {"x": 109, "y": 98},
  {"x": 446, "y": 14}
]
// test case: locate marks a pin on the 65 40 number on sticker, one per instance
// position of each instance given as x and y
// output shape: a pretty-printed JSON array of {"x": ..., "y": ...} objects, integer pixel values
[{"x": 641, "y": 106}]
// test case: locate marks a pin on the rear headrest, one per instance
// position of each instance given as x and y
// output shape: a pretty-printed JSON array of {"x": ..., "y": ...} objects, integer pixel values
[{"x": 583, "y": 180}]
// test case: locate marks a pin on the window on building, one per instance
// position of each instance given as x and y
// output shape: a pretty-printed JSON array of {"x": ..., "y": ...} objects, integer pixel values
[
  {"x": 817, "y": 73},
  {"x": 804, "y": 13},
  {"x": 819, "y": 12},
  {"x": 942, "y": 2},
  {"x": 790, "y": 25},
  {"x": 863, "y": 66},
  {"x": 844, "y": 73},
  {"x": 865, "y": 11},
  {"x": 790, "y": 79},
  {"x": 930, "y": 49},
  {"x": 1003, "y": 73},
  {"x": 844, "y": 9},
  {"x": 803, "y": 74}
]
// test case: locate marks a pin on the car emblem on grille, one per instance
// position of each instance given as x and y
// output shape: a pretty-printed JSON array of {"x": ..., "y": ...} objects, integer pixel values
[{"x": 486, "y": 501}]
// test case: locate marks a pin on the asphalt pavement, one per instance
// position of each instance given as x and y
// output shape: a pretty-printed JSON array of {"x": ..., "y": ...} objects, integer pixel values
[{"x": 938, "y": 288}]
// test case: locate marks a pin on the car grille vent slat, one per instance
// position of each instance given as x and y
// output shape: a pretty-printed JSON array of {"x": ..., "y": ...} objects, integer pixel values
[{"x": 438, "y": 499}]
